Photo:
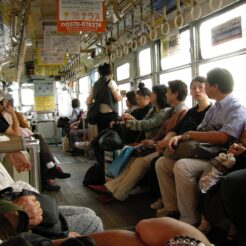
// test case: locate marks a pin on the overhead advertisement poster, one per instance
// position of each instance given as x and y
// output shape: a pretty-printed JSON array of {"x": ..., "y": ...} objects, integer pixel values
[
  {"x": 81, "y": 15},
  {"x": 170, "y": 45},
  {"x": 60, "y": 42},
  {"x": 44, "y": 99},
  {"x": 46, "y": 58},
  {"x": 227, "y": 31}
]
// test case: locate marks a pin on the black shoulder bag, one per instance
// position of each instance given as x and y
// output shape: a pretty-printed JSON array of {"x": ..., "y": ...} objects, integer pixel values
[
  {"x": 93, "y": 109},
  {"x": 54, "y": 224}
]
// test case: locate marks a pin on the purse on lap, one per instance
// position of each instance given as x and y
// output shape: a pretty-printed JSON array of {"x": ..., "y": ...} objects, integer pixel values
[
  {"x": 194, "y": 149},
  {"x": 141, "y": 151}
]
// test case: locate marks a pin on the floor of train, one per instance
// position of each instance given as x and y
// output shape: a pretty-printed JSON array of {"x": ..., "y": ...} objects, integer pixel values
[{"x": 115, "y": 214}]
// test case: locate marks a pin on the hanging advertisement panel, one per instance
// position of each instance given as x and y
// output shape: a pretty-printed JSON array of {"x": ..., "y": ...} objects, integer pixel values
[
  {"x": 81, "y": 15},
  {"x": 60, "y": 42},
  {"x": 170, "y": 45},
  {"x": 227, "y": 31},
  {"x": 50, "y": 58},
  {"x": 44, "y": 99}
]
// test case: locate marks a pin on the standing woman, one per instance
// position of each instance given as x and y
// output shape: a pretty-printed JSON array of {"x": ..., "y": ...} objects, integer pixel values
[{"x": 108, "y": 110}]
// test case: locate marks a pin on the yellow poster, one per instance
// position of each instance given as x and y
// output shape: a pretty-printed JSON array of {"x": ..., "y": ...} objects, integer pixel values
[
  {"x": 46, "y": 58},
  {"x": 44, "y": 103}
]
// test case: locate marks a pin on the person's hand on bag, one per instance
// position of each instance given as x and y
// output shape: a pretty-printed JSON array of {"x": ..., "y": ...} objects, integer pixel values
[
  {"x": 32, "y": 208},
  {"x": 173, "y": 142},
  {"x": 148, "y": 142},
  {"x": 160, "y": 145}
]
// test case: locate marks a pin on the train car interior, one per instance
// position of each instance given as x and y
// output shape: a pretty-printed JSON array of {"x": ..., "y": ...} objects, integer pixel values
[{"x": 140, "y": 66}]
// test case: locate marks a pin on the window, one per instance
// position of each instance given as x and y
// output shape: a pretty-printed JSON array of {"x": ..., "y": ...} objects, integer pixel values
[
  {"x": 63, "y": 99},
  {"x": 232, "y": 64},
  {"x": 224, "y": 33},
  {"x": 182, "y": 74},
  {"x": 14, "y": 91},
  {"x": 64, "y": 102},
  {"x": 27, "y": 94},
  {"x": 147, "y": 82},
  {"x": 84, "y": 87},
  {"x": 144, "y": 61},
  {"x": 96, "y": 76},
  {"x": 93, "y": 76},
  {"x": 123, "y": 72},
  {"x": 175, "y": 51},
  {"x": 122, "y": 105}
]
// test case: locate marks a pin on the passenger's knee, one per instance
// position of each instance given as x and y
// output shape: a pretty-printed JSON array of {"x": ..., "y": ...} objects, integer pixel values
[
  {"x": 144, "y": 231},
  {"x": 140, "y": 164},
  {"x": 158, "y": 164},
  {"x": 179, "y": 168}
]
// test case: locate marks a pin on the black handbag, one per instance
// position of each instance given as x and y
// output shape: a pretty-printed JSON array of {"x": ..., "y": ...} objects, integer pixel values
[
  {"x": 110, "y": 140},
  {"x": 54, "y": 224},
  {"x": 93, "y": 109},
  {"x": 63, "y": 122},
  {"x": 94, "y": 175},
  {"x": 142, "y": 150},
  {"x": 194, "y": 149}
]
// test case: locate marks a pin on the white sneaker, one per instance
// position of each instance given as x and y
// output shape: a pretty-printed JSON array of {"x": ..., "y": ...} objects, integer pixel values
[
  {"x": 157, "y": 204},
  {"x": 82, "y": 145}
]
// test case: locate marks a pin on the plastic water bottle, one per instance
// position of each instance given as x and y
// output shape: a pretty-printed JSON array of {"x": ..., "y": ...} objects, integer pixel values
[{"x": 220, "y": 165}]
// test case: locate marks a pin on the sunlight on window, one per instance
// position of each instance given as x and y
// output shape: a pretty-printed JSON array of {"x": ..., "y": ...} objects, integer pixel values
[
  {"x": 147, "y": 83},
  {"x": 84, "y": 85},
  {"x": 184, "y": 75},
  {"x": 14, "y": 91},
  {"x": 84, "y": 89},
  {"x": 173, "y": 55},
  {"x": 123, "y": 72},
  {"x": 96, "y": 76},
  {"x": 238, "y": 73},
  {"x": 64, "y": 103},
  {"x": 144, "y": 59},
  {"x": 122, "y": 104},
  {"x": 207, "y": 49},
  {"x": 27, "y": 95},
  {"x": 15, "y": 95}
]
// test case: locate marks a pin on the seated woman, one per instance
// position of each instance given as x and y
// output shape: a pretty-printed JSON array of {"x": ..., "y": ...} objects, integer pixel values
[
  {"x": 144, "y": 105},
  {"x": 23, "y": 124},
  {"x": 131, "y": 101},
  {"x": 150, "y": 124},
  {"x": 75, "y": 131},
  {"x": 49, "y": 170},
  {"x": 120, "y": 187},
  {"x": 189, "y": 123},
  {"x": 76, "y": 113}
]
